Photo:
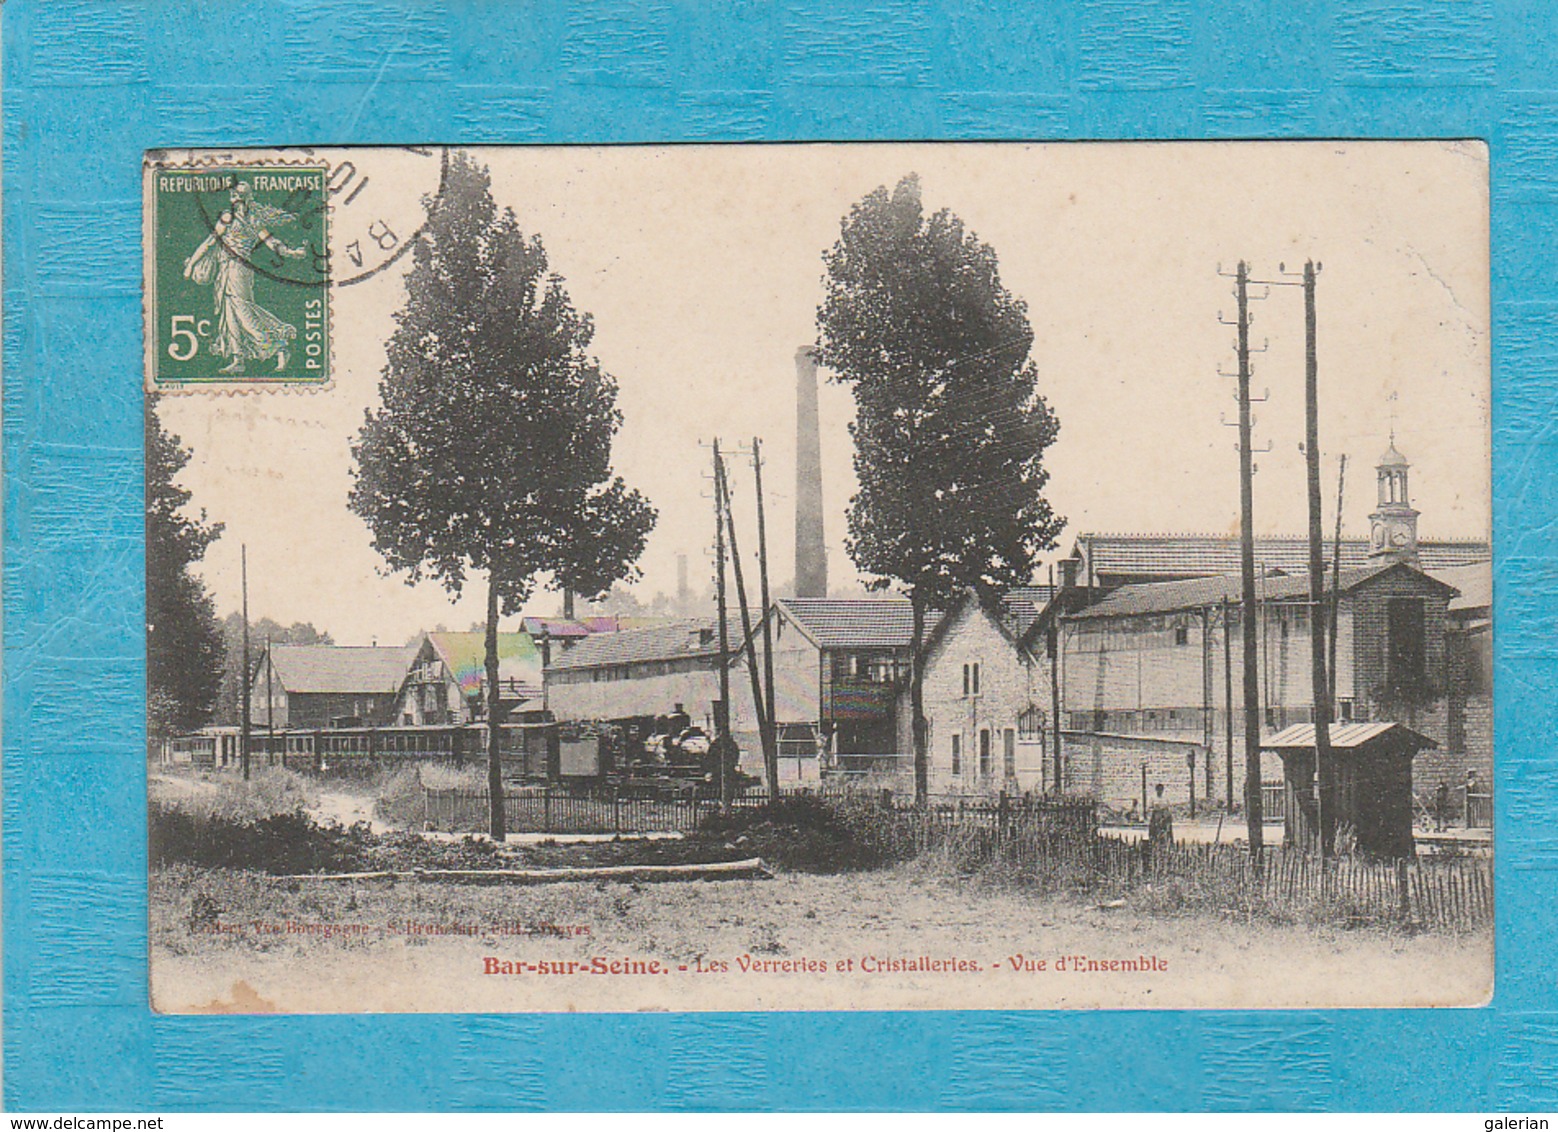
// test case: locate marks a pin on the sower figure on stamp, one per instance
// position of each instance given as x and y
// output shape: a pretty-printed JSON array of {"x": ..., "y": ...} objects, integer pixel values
[{"x": 245, "y": 330}]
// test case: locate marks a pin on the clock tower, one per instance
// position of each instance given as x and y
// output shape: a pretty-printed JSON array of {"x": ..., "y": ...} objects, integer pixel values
[{"x": 1393, "y": 526}]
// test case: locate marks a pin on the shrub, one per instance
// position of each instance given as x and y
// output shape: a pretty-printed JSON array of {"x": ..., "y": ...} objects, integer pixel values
[
  {"x": 278, "y": 843},
  {"x": 269, "y": 791},
  {"x": 809, "y": 833}
]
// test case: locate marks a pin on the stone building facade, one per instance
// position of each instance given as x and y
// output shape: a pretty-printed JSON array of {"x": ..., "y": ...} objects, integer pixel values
[
  {"x": 984, "y": 695},
  {"x": 1151, "y": 668}
]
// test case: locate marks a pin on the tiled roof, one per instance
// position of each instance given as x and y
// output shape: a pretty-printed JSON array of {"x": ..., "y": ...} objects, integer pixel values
[
  {"x": 1021, "y": 606},
  {"x": 340, "y": 669},
  {"x": 667, "y": 642},
  {"x": 1475, "y": 583},
  {"x": 558, "y": 627},
  {"x": 857, "y": 623},
  {"x": 1164, "y": 597},
  {"x": 1173, "y": 555},
  {"x": 1343, "y": 736}
]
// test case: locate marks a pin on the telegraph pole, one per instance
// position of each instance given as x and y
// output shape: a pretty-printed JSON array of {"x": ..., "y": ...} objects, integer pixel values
[
  {"x": 722, "y": 716},
  {"x": 1252, "y": 720},
  {"x": 243, "y": 735},
  {"x": 1336, "y": 576},
  {"x": 1228, "y": 705},
  {"x": 771, "y": 736},
  {"x": 1319, "y": 682},
  {"x": 722, "y": 486},
  {"x": 1052, "y": 646},
  {"x": 270, "y": 707}
]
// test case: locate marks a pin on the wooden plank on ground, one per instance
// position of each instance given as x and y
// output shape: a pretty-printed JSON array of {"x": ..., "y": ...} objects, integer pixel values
[{"x": 751, "y": 869}]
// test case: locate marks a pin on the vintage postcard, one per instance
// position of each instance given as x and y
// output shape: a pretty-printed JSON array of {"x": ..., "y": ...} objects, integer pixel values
[{"x": 819, "y": 577}]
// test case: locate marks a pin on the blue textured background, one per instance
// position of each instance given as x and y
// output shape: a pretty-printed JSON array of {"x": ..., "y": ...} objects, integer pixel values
[{"x": 90, "y": 85}]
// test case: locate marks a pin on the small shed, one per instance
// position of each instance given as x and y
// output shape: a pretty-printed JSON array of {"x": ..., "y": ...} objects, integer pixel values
[{"x": 1373, "y": 776}]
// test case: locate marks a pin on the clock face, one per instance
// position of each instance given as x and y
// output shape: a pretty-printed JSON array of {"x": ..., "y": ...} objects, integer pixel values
[{"x": 1398, "y": 538}]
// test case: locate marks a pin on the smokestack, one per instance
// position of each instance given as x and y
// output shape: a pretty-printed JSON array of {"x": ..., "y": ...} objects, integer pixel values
[
  {"x": 683, "y": 595},
  {"x": 811, "y": 549}
]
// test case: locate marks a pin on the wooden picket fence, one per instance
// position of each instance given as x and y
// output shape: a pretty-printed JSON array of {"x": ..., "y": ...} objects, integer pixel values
[
  {"x": 564, "y": 812},
  {"x": 1055, "y": 844},
  {"x": 606, "y": 810},
  {"x": 1454, "y": 893}
]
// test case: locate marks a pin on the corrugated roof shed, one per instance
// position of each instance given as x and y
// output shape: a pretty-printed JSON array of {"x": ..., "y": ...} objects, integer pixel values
[
  {"x": 857, "y": 623},
  {"x": 340, "y": 669},
  {"x": 1344, "y": 736},
  {"x": 666, "y": 642},
  {"x": 1174, "y": 555},
  {"x": 1475, "y": 583},
  {"x": 1166, "y": 597}
]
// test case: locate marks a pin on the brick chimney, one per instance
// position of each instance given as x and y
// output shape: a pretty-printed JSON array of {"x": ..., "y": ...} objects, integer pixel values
[{"x": 811, "y": 548}]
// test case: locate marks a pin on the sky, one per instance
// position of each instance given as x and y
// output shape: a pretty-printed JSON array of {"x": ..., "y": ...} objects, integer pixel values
[{"x": 702, "y": 268}]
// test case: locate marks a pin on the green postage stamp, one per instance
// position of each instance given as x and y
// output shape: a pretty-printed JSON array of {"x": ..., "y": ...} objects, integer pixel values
[{"x": 238, "y": 276}]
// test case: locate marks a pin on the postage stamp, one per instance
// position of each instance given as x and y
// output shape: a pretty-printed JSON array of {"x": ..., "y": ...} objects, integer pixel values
[
  {"x": 244, "y": 250},
  {"x": 237, "y": 286}
]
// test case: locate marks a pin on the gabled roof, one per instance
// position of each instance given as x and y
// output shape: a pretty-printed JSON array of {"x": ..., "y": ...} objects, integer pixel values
[
  {"x": 1166, "y": 597},
  {"x": 1192, "y": 555},
  {"x": 1475, "y": 583},
  {"x": 675, "y": 641},
  {"x": 856, "y": 623},
  {"x": 971, "y": 600},
  {"x": 1022, "y": 605},
  {"x": 465, "y": 655},
  {"x": 1345, "y": 736},
  {"x": 338, "y": 669}
]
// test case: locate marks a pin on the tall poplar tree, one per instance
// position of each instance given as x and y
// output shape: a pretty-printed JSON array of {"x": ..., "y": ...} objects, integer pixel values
[
  {"x": 184, "y": 650},
  {"x": 950, "y": 431},
  {"x": 491, "y": 452}
]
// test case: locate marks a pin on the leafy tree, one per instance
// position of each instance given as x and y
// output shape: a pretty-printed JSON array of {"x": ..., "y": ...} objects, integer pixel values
[
  {"x": 949, "y": 432},
  {"x": 492, "y": 451},
  {"x": 183, "y": 641}
]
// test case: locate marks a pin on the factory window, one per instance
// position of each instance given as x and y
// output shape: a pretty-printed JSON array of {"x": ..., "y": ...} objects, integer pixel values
[
  {"x": 1009, "y": 753},
  {"x": 886, "y": 670},
  {"x": 1181, "y": 634},
  {"x": 971, "y": 679},
  {"x": 984, "y": 753},
  {"x": 957, "y": 754}
]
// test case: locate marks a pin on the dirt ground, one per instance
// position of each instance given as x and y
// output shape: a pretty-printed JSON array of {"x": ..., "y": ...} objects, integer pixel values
[{"x": 898, "y": 938}]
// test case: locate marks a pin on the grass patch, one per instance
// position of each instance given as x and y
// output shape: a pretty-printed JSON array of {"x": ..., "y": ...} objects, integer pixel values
[{"x": 398, "y": 794}]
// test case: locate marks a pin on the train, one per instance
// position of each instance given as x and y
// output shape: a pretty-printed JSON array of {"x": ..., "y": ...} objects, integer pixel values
[
  {"x": 646, "y": 756},
  {"x": 529, "y": 751}
]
